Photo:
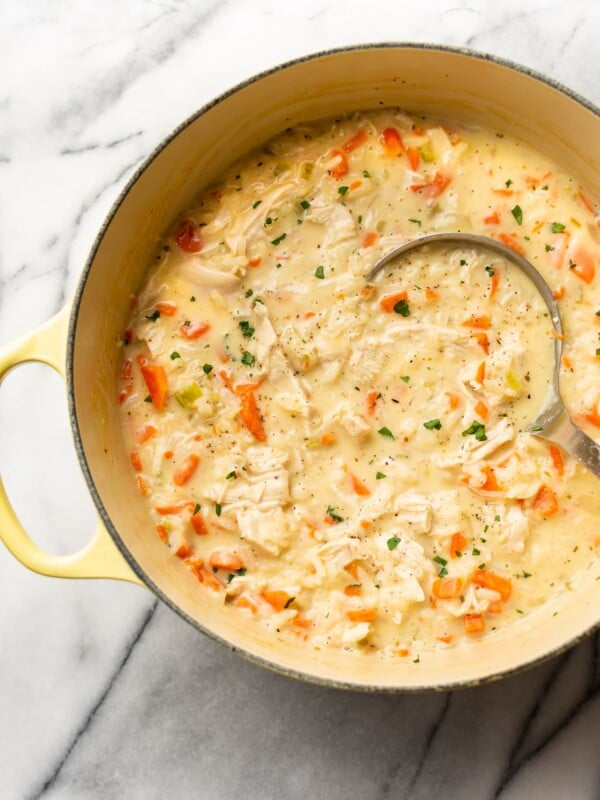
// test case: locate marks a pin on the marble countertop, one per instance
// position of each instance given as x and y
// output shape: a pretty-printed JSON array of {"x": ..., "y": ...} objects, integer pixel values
[{"x": 104, "y": 693}]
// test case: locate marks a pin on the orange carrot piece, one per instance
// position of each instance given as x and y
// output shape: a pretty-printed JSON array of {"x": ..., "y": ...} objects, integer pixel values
[
  {"x": 251, "y": 417},
  {"x": 546, "y": 502},
  {"x": 413, "y": 158},
  {"x": 254, "y": 262},
  {"x": 352, "y": 568},
  {"x": 162, "y": 532},
  {"x": 362, "y": 614},
  {"x": 446, "y": 588},
  {"x": 388, "y": 302},
  {"x": 481, "y": 322},
  {"x": 225, "y": 559},
  {"x": 492, "y": 219},
  {"x": 142, "y": 485},
  {"x": 226, "y": 378},
  {"x": 586, "y": 202},
  {"x": 136, "y": 461},
  {"x": 183, "y": 551},
  {"x": 242, "y": 389},
  {"x": 591, "y": 416},
  {"x": 359, "y": 487},
  {"x": 186, "y": 470},
  {"x": 495, "y": 282},
  {"x": 355, "y": 185},
  {"x": 491, "y": 482},
  {"x": 583, "y": 265},
  {"x": 194, "y": 330},
  {"x": 168, "y": 454},
  {"x": 557, "y": 459},
  {"x": 369, "y": 239},
  {"x": 187, "y": 236},
  {"x": 482, "y": 410},
  {"x": 156, "y": 381},
  {"x": 433, "y": 188},
  {"x": 392, "y": 142},
  {"x": 174, "y": 508},
  {"x": 458, "y": 544},
  {"x": 473, "y": 623},
  {"x": 431, "y": 294},
  {"x": 559, "y": 293},
  {"x": 166, "y": 308},
  {"x": 245, "y": 602},
  {"x": 208, "y": 578},
  {"x": 453, "y": 399},
  {"x": 145, "y": 433},
  {"x": 503, "y": 192},
  {"x": 482, "y": 341},
  {"x": 490, "y": 580},
  {"x": 480, "y": 375},
  {"x": 510, "y": 240},
  {"x": 328, "y": 438},
  {"x": 276, "y": 598},
  {"x": 355, "y": 141},
  {"x": 340, "y": 167},
  {"x": 495, "y": 607},
  {"x": 446, "y": 638},
  {"x": 371, "y": 400},
  {"x": 352, "y": 590},
  {"x": 199, "y": 524}
]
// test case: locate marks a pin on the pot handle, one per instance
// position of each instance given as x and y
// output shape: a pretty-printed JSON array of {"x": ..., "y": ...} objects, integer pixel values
[{"x": 100, "y": 558}]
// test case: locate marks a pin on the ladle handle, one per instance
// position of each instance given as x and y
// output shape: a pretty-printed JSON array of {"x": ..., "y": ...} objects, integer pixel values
[{"x": 574, "y": 441}]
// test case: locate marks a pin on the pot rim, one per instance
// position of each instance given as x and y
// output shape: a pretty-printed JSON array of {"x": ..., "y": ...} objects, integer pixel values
[{"x": 70, "y": 349}]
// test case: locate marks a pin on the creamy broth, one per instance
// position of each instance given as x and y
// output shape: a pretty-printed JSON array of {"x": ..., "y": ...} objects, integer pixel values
[{"x": 345, "y": 462}]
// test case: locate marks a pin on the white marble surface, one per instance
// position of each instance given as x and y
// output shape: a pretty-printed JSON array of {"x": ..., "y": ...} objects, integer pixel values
[{"x": 104, "y": 693}]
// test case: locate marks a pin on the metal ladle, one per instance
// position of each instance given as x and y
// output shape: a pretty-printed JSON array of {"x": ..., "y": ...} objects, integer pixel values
[{"x": 553, "y": 423}]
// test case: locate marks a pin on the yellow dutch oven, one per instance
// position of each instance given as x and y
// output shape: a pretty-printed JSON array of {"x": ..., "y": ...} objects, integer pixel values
[{"x": 83, "y": 342}]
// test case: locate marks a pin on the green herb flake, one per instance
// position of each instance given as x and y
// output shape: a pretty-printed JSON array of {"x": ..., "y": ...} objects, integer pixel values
[
  {"x": 393, "y": 542},
  {"x": 432, "y": 425},
  {"x": 477, "y": 429},
  {"x": 249, "y": 293},
  {"x": 147, "y": 399},
  {"x": 440, "y": 560},
  {"x": 331, "y": 512},
  {"x": 402, "y": 308},
  {"x": 154, "y": 315},
  {"x": 256, "y": 204},
  {"x": 517, "y": 214},
  {"x": 342, "y": 190},
  {"x": 192, "y": 299},
  {"x": 380, "y": 476},
  {"x": 405, "y": 378},
  {"x": 218, "y": 509},
  {"x": 598, "y": 351},
  {"x": 490, "y": 270},
  {"x": 386, "y": 432},
  {"x": 415, "y": 221},
  {"x": 366, "y": 173},
  {"x": 305, "y": 204},
  {"x": 526, "y": 574},
  {"x": 508, "y": 183},
  {"x": 475, "y": 552},
  {"x": 231, "y": 476},
  {"x": 557, "y": 227},
  {"x": 549, "y": 248},
  {"x": 359, "y": 218},
  {"x": 443, "y": 572},
  {"x": 197, "y": 508},
  {"x": 174, "y": 355},
  {"x": 246, "y": 329},
  {"x": 289, "y": 602},
  {"x": 207, "y": 368},
  {"x": 497, "y": 518},
  {"x": 463, "y": 263},
  {"x": 320, "y": 273},
  {"x": 248, "y": 359},
  {"x": 279, "y": 239}
]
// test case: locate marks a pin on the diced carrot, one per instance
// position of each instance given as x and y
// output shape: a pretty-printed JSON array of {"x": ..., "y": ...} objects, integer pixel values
[
  {"x": 156, "y": 381},
  {"x": 559, "y": 293},
  {"x": 246, "y": 602},
  {"x": 473, "y": 623},
  {"x": 402, "y": 652},
  {"x": 142, "y": 485},
  {"x": 355, "y": 141},
  {"x": 388, "y": 302},
  {"x": 162, "y": 532},
  {"x": 481, "y": 322},
  {"x": 145, "y": 433},
  {"x": 545, "y": 502},
  {"x": 433, "y": 188},
  {"x": 491, "y": 482},
  {"x": 372, "y": 400},
  {"x": 226, "y": 378},
  {"x": 275, "y": 598},
  {"x": 503, "y": 192},
  {"x": 208, "y": 578},
  {"x": 480, "y": 375},
  {"x": 362, "y": 614},
  {"x": 492, "y": 219},
  {"x": 340, "y": 167},
  {"x": 136, "y": 461},
  {"x": 446, "y": 638},
  {"x": 188, "y": 238},
  {"x": 328, "y": 438},
  {"x": 586, "y": 202},
  {"x": 453, "y": 399},
  {"x": 566, "y": 362},
  {"x": 352, "y": 568},
  {"x": 166, "y": 308},
  {"x": 168, "y": 454},
  {"x": 557, "y": 335},
  {"x": 482, "y": 410},
  {"x": 495, "y": 607},
  {"x": 557, "y": 459},
  {"x": 193, "y": 330},
  {"x": 355, "y": 185},
  {"x": 592, "y": 416},
  {"x": 225, "y": 559},
  {"x": 199, "y": 524},
  {"x": 558, "y": 249},
  {"x": 369, "y": 239},
  {"x": 174, "y": 508},
  {"x": 458, "y": 544},
  {"x": 254, "y": 262},
  {"x": 183, "y": 551},
  {"x": 141, "y": 360},
  {"x": 251, "y": 417},
  {"x": 445, "y": 588},
  {"x": 242, "y": 389},
  {"x": 495, "y": 282},
  {"x": 352, "y": 590},
  {"x": 490, "y": 580},
  {"x": 482, "y": 341},
  {"x": 359, "y": 487},
  {"x": 583, "y": 265},
  {"x": 392, "y": 142},
  {"x": 367, "y": 292},
  {"x": 510, "y": 240},
  {"x": 301, "y": 621},
  {"x": 186, "y": 470},
  {"x": 310, "y": 314},
  {"x": 413, "y": 158},
  {"x": 431, "y": 294}
]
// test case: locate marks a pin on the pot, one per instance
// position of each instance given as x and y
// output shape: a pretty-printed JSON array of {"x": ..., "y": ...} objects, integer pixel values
[{"x": 82, "y": 341}]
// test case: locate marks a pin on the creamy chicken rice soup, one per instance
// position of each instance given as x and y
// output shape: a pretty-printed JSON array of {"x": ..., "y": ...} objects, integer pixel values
[{"x": 345, "y": 462}]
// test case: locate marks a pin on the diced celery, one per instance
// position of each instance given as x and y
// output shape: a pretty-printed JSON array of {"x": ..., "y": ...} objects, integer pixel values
[
  {"x": 187, "y": 396},
  {"x": 306, "y": 170},
  {"x": 513, "y": 382},
  {"x": 283, "y": 165}
]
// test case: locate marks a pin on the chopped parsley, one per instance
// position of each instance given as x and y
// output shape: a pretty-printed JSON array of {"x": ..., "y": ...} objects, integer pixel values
[
  {"x": 432, "y": 425},
  {"x": 192, "y": 299},
  {"x": 248, "y": 359},
  {"x": 174, "y": 355},
  {"x": 320, "y": 273},
  {"x": 537, "y": 428},
  {"x": 393, "y": 542},
  {"x": 249, "y": 293},
  {"x": 279, "y": 239},
  {"x": 380, "y": 475},
  {"x": 517, "y": 214},
  {"x": 508, "y": 183},
  {"x": 490, "y": 270},
  {"x": 366, "y": 173},
  {"x": 256, "y": 204},
  {"x": 463, "y": 263},
  {"x": 343, "y": 189},
  {"x": 154, "y": 315},
  {"x": 475, "y": 552},
  {"x": 386, "y": 432},
  {"x": 269, "y": 221},
  {"x": 289, "y": 602},
  {"x": 549, "y": 248},
  {"x": 526, "y": 574},
  {"x": 557, "y": 227},
  {"x": 305, "y": 204},
  {"x": 401, "y": 307},
  {"x": 331, "y": 512},
  {"x": 416, "y": 221},
  {"x": 497, "y": 518},
  {"x": 147, "y": 399},
  {"x": 405, "y": 378},
  {"x": 440, "y": 560},
  {"x": 477, "y": 429},
  {"x": 207, "y": 369},
  {"x": 231, "y": 475},
  {"x": 218, "y": 509},
  {"x": 197, "y": 508},
  {"x": 246, "y": 329}
]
